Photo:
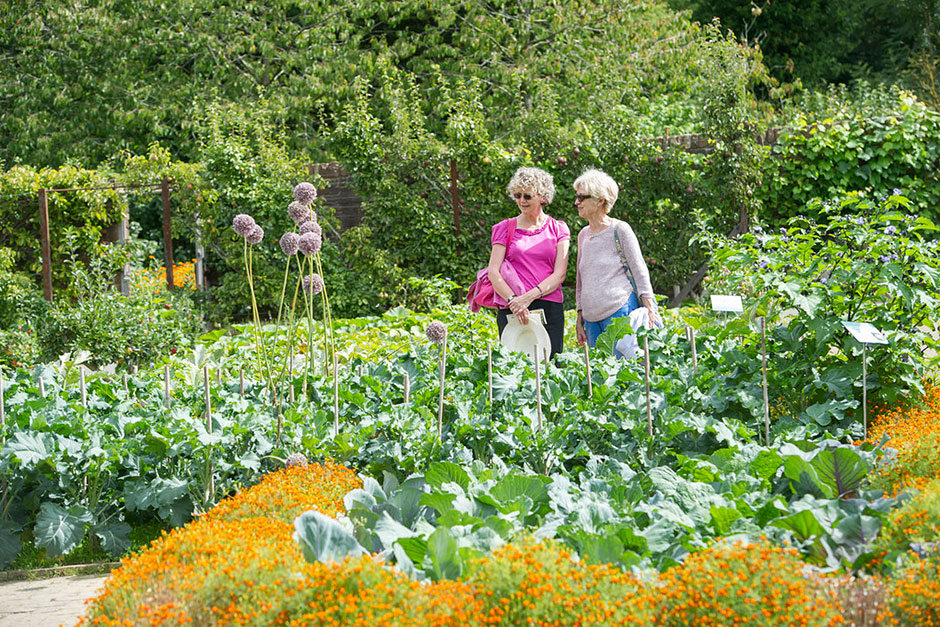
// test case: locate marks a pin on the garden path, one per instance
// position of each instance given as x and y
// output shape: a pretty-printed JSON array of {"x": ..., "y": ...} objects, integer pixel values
[{"x": 46, "y": 602}]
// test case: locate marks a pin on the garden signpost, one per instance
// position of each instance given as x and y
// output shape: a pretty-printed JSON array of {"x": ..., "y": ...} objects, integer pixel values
[{"x": 865, "y": 333}]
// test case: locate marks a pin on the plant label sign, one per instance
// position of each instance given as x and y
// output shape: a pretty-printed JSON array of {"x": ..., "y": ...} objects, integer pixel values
[
  {"x": 865, "y": 333},
  {"x": 727, "y": 303}
]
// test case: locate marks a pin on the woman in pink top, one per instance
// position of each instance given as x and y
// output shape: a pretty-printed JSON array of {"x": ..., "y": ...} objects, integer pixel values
[{"x": 538, "y": 252}]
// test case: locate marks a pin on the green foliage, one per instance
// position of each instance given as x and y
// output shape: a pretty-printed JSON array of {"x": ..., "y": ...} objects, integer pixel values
[
  {"x": 243, "y": 151},
  {"x": 81, "y": 215},
  {"x": 877, "y": 149},
  {"x": 862, "y": 261},
  {"x": 61, "y": 63},
  {"x": 916, "y": 526},
  {"x": 109, "y": 327}
]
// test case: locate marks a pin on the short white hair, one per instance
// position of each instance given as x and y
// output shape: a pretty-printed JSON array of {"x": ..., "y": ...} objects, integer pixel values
[
  {"x": 536, "y": 179},
  {"x": 600, "y": 185}
]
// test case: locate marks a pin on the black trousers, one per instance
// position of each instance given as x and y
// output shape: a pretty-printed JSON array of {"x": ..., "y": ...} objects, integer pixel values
[{"x": 554, "y": 321}]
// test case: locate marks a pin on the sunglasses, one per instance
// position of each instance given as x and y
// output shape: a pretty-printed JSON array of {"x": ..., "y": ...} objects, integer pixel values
[
  {"x": 519, "y": 195},
  {"x": 579, "y": 197}
]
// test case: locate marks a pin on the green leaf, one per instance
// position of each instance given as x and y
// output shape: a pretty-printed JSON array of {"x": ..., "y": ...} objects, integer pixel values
[
  {"x": 59, "y": 530},
  {"x": 323, "y": 539},
  {"x": 445, "y": 562},
  {"x": 440, "y": 473},
  {"x": 29, "y": 448},
  {"x": 766, "y": 464},
  {"x": 803, "y": 524},
  {"x": 115, "y": 537},
  {"x": 840, "y": 470},
  {"x": 10, "y": 543},
  {"x": 723, "y": 518}
]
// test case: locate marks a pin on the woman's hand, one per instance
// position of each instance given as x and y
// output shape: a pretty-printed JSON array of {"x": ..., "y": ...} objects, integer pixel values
[
  {"x": 579, "y": 330},
  {"x": 653, "y": 317},
  {"x": 520, "y": 306}
]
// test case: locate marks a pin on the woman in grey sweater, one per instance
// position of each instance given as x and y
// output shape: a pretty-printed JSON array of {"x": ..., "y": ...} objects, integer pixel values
[{"x": 604, "y": 291}]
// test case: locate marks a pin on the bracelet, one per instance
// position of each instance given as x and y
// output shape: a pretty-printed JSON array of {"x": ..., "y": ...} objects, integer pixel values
[{"x": 539, "y": 288}]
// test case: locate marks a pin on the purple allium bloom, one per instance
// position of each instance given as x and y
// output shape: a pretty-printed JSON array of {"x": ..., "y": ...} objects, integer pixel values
[
  {"x": 895, "y": 192},
  {"x": 436, "y": 331},
  {"x": 255, "y": 235},
  {"x": 313, "y": 284},
  {"x": 824, "y": 280},
  {"x": 243, "y": 223},
  {"x": 300, "y": 213},
  {"x": 305, "y": 193},
  {"x": 783, "y": 231},
  {"x": 757, "y": 229},
  {"x": 290, "y": 243},
  {"x": 311, "y": 227},
  {"x": 310, "y": 243},
  {"x": 884, "y": 258},
  {"x": 859, "y": 220},
  {"x": 763, "y": 264},
  {"x": 891, "y": 230}
]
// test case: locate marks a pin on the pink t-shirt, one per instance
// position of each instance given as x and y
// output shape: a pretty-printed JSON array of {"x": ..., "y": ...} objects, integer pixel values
[{"x": 532, "y": 253}]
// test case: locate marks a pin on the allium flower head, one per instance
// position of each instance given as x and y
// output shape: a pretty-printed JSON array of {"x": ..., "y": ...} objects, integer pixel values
[
  {"x": 300, "y": 213},
  {"x": 310, "y": 243},
  {"x": 305, "y": 193},
  {"x": 436, "y": 331},
  {"x": 296, "y": 459},
  {"x": 290, "y": 243},
  {"x": 313, "y": 284},
  {"x": 884, "y": 259},
  {"x": 243, "y": 223},
  {"x": 896, "y": 192},
  {"x": 311, "y": 227},
  {"x": 255, "y": 235},
  {"x": 891, "y": 230}
]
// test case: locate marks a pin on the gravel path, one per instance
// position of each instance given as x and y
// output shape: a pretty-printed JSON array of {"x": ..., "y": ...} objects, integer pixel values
[{"x": 46, "y": 602}]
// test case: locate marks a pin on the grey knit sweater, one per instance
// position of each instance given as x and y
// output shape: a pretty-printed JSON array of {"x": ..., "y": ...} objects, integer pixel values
[{"x": 602, "y": 284}]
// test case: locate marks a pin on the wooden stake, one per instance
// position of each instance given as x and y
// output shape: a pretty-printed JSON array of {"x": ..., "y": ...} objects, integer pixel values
[
  {"x": 290, "y": 375},
  {"x": 335, "y": 398},
  {"x": 646, "y": 368},
  {"x": 205, "y": 385},
  {"x": 241, "y": 383},
  {"x": 538, "y": 384},
  {"x": 166, "y": 386},
  {"x": 3, "y": 418},
  {"x": 42, "y": 387},
  {"x": 407, "y": 384},
  {"x": 124, "y": 381},
  {"x": 691, "y": 331},
  {"x": 587, "y": 368},
  {"x": 763, "y": 345},
  {"x": 81, "y": 386},
  {"x": 440, "y": 394},
  {"x": 489, "y": 374}
]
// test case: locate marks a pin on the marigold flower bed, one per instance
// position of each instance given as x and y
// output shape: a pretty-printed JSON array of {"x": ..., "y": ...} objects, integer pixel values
[{"x": 239, "y": 565}]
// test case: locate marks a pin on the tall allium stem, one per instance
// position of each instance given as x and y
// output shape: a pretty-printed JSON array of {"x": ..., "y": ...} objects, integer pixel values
[
  {"x": 329, "y": 340},
  {"x": 259, "y": 341}
]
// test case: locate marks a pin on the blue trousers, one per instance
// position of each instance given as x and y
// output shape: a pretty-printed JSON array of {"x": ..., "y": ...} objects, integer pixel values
[{"x": 594, "y": 329}]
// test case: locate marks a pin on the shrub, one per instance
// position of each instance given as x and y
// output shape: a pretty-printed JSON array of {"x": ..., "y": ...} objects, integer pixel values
[
  {"x": 915, "y": 595},
  {"x": 914, "y": 432},
  {"x": 743, "y": 584},
  {"x": 137, "y": 329},
  {"x": 915, "y": 525},
  {"x": 536, "y": 582},
  {"x": 859, "y": 260}
]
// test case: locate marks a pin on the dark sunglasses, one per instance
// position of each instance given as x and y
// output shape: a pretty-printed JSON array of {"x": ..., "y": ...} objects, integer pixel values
[
  {"x": 519, "y": 195},
  {"x": 579, "y": 197}
]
